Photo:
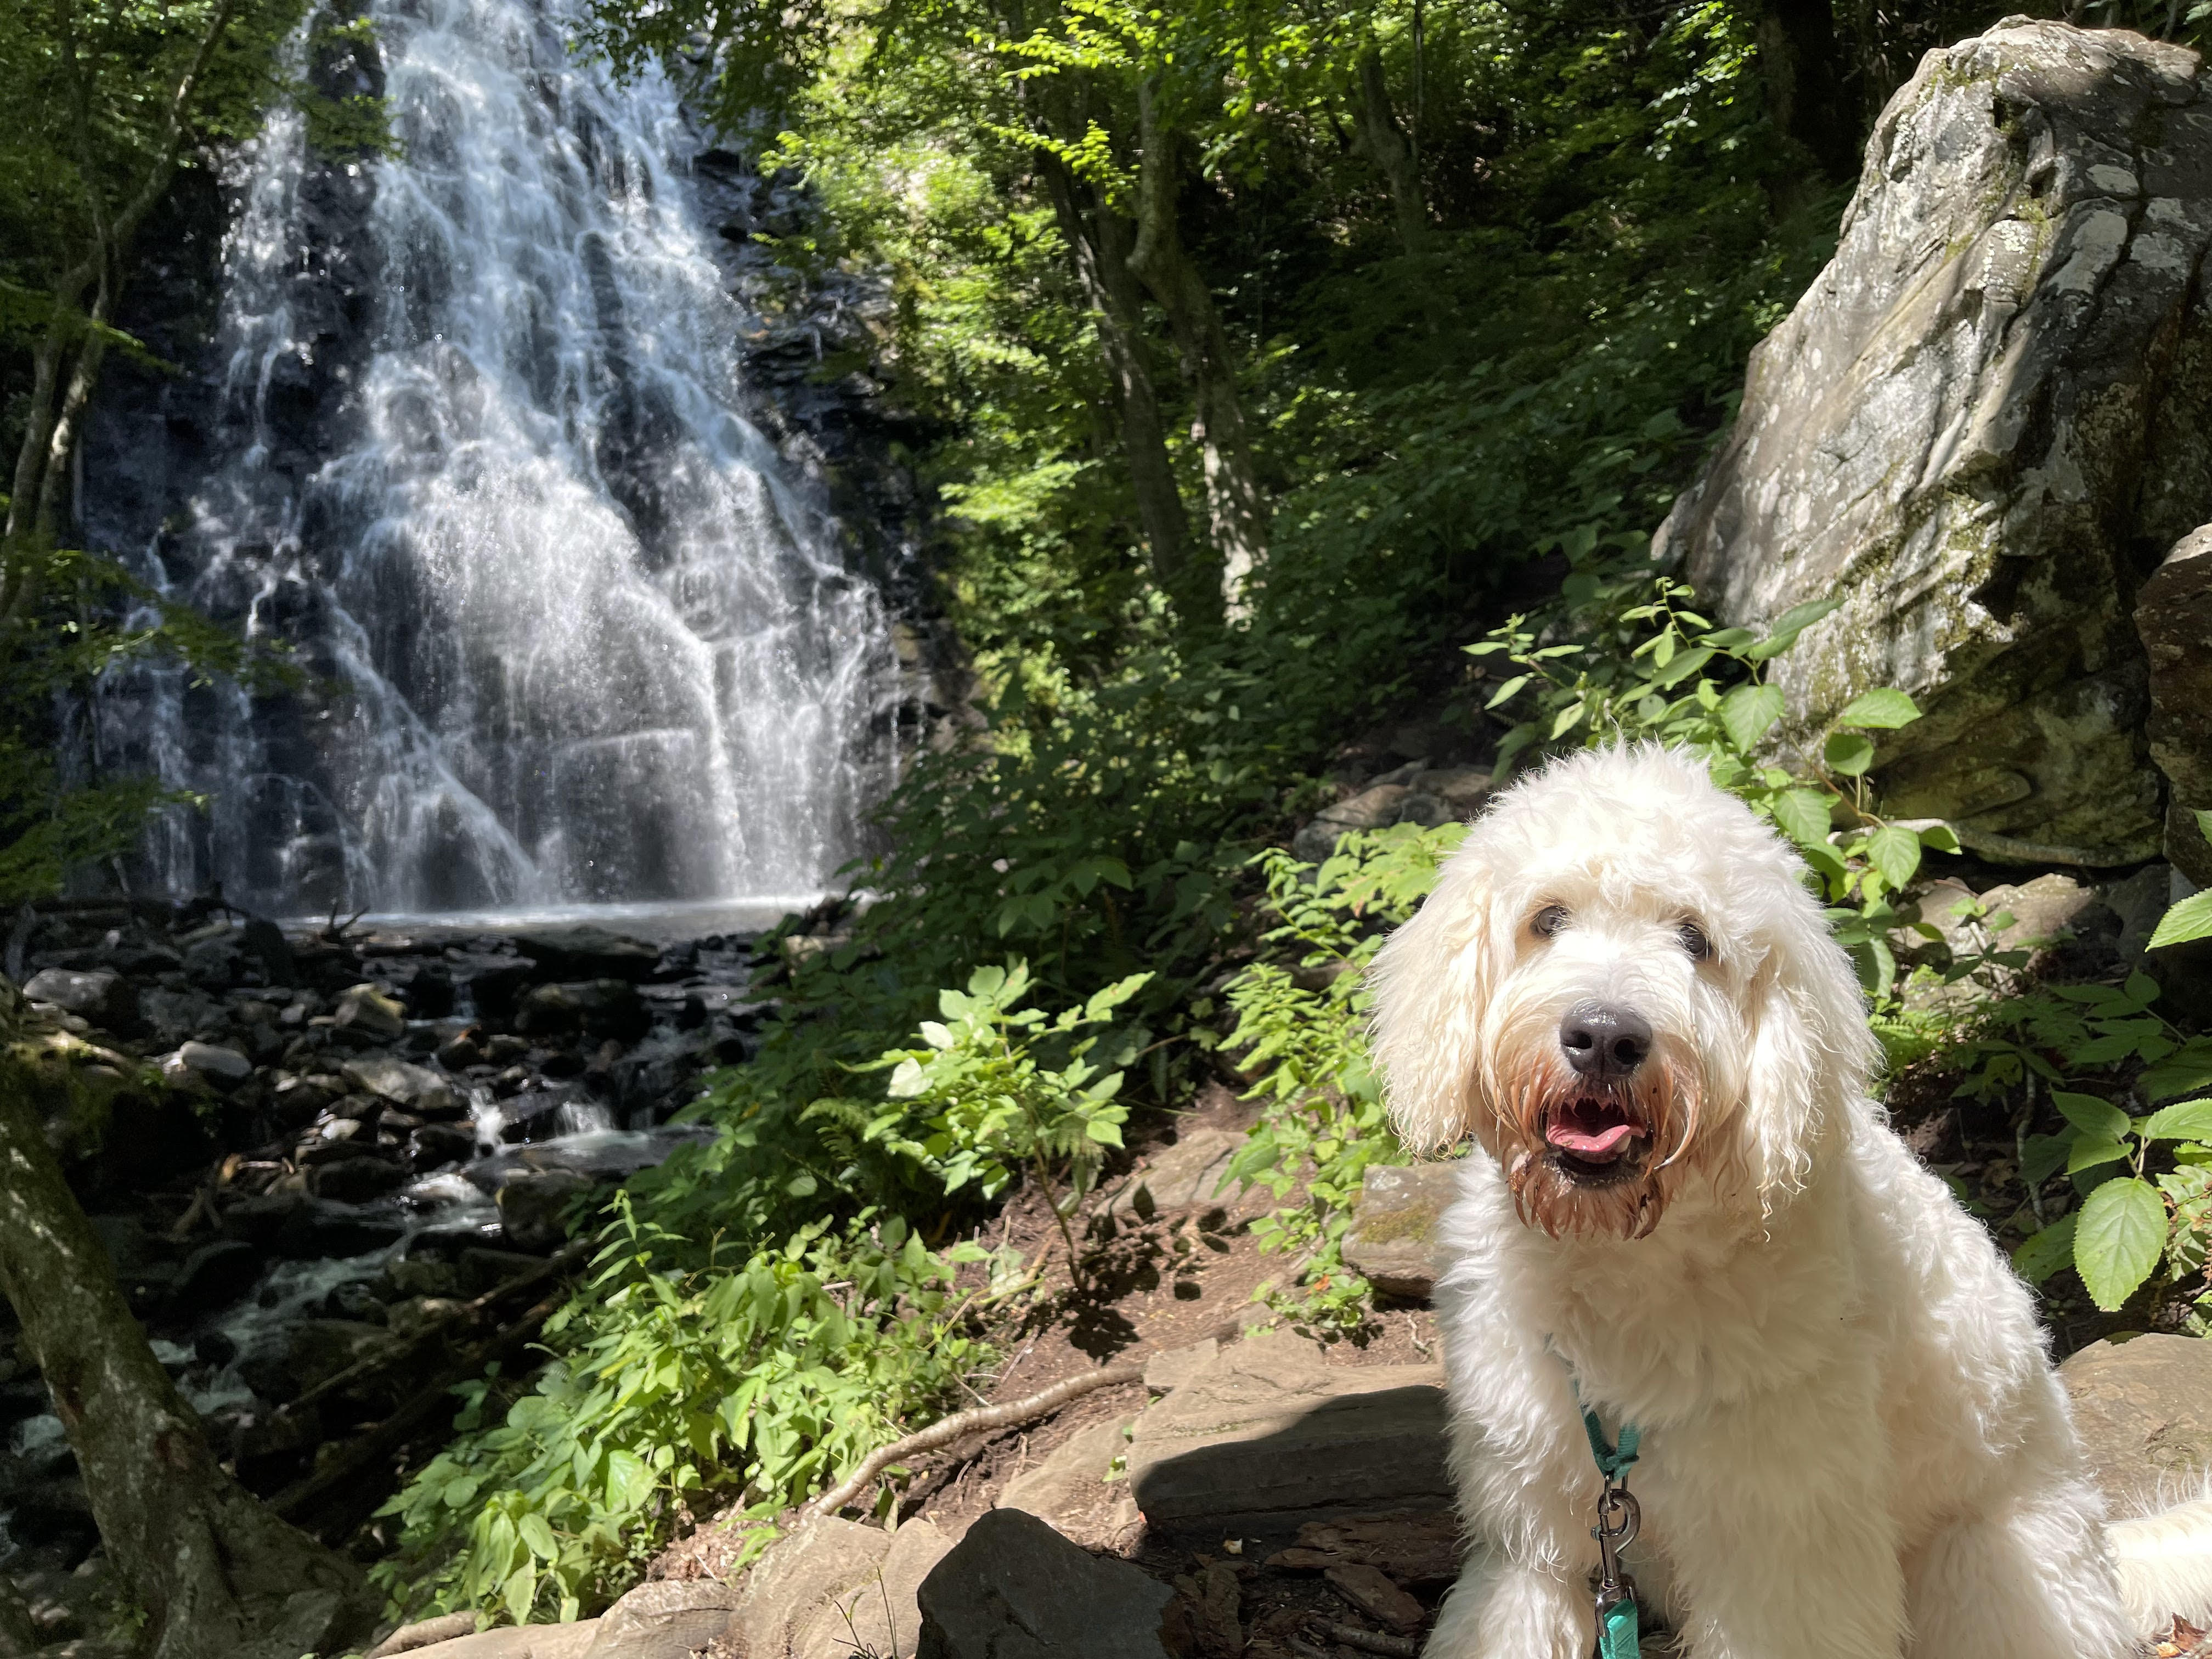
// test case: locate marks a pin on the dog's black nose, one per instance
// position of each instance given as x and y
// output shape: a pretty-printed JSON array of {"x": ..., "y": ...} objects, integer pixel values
[{"x": 1603, "y": 1042}]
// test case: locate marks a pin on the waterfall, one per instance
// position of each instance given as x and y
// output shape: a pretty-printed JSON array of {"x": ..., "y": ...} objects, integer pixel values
[{"x": 569, "y": 629}]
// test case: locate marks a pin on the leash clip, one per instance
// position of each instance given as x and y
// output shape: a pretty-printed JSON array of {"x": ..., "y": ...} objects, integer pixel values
[{"x": 1618, "y": 1518}]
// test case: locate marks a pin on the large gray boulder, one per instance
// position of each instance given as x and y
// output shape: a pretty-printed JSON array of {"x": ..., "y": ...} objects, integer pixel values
[
  {"x": 1014, "y": 1589},
  {"x": 1980, "y": 427},
  {"x": 2173, "y": 614},
  {"x": 2143, "y": 1411}
]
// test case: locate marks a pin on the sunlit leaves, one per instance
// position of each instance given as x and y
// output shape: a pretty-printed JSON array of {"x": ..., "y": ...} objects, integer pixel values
[{"x": 2119, "y": 1238}]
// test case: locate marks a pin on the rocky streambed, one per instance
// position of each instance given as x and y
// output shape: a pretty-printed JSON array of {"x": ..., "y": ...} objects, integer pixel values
[{"x": 334, "y": 1165}]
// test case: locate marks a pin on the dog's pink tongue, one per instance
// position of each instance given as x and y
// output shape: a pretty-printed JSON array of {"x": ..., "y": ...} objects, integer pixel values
[{"x": 1588, "y": 1135}]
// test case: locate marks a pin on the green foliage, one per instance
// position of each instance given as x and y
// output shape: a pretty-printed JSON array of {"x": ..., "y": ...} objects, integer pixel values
[
  {"x": 1645, "y": 668},
  {"x": 1301, "y": 1014},
  {"x": 678, "y": 1390},
  {"x": 977, "y": 1102}
]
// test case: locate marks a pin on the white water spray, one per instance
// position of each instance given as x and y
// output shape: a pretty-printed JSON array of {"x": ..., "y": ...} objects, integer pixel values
[{"x": 578, "y": 635}]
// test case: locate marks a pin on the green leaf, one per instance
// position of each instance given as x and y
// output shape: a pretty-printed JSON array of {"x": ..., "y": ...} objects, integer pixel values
[
  {"x": 2181, "y": 1073},
  {"x": 907, "y": 1081},
  {"x": 2192, "y": 919},
  {"x": 1508, "y": 691},
  {"x": 1849, "y": 753},
  {"x": 1940, "y": 838},
  {"x": 1895, "y": 852},
  {"x": 1683, "y": 666},
  {"x": 2119, "y": 1240},
  {"x": 1749, "y": 714},
  {"x": 1787, "y": 626},
  {"x": 538, "y": 1536},
  {"x": 2187, "y": 1119},
  {"x": 1566, "y": 720},
  {"x": 1802, "y": 815},
  {"x": 2047, "y": 1251},
  {"x": 2098, "y": 1119},
  {"x": 2042, "y": 1156},
  {"x": 1880, "y": 710},
  {"x": 2091, "y": 1151}
]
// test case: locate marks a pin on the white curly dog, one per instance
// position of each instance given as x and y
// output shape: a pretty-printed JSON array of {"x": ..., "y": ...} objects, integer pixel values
[{"x": 1683, "y": 1203}]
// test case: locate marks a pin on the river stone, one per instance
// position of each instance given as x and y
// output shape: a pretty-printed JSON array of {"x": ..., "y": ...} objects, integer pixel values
[
  {"x": 534, "y": 1206},
  {"x": 210, "y": 1061},
  {"x": 2173, "y": 615},
  {"x": 364, "y": 1011},
  {"x": 1392, "y": 1241},
  {"x": 1014, "y": 1589},
  {"x": 356, "y": 1180},
  {"x": 101, "y": 995},
  {"x": 1171, "y": 1368},
  {"x": 665, "y": 1619},
  {"x": 800, "y": 1573},
  {"x": 587, "y": 952},
  {"x": 592, "y": 1007},
  {"x": 517, "y": 1642},
  {"x": 1078, "y": 1492},
  {"x": 1270, "y": 1435},
  {"x": 2143, "y": 1410},
  {"x": 1999, "y": 390},
  {"x": 882, "y": 1616},
  {"x": 417, "y": 1088}
]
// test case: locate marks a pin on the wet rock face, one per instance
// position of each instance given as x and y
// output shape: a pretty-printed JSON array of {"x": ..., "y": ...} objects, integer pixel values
[
  {"x": 1981, "y": 427},
  {"x": 2174, "y": 615}
]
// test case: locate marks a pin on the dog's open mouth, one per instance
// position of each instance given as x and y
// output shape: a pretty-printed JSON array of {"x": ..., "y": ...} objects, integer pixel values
[{"x": 1594, "y": 1140}]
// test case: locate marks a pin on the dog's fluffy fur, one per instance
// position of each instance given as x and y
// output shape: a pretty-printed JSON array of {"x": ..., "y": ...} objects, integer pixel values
[{"x": 1854, "y": 1444}]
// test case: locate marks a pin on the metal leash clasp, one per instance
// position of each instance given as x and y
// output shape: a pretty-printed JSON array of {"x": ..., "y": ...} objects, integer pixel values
[{"x": 1618, "y": 1517}]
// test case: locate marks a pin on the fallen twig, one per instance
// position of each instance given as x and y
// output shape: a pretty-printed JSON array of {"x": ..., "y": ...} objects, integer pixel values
[
  {"x": 946, "y": 1431},
  {"x": 1367, "y": 1641}
]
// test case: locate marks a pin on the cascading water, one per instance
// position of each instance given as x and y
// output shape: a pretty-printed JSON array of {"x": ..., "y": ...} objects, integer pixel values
[{"x": 571, "y": 632}]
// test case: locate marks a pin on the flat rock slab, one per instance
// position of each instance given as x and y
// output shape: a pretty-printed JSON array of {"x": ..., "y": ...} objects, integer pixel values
[
  {"x": 881, "y": 1616},
  {"x": 517, "y": 1642},
  {"x": 1392, "y": 1241},
  {"x": 1014, "y": 1589},
  {"x": 667, "y": 1619},
  {"x": 2143, "y": 1410},
  {"x": 824, "y": 1560},
  {"x": 1269, "y": 1435},
  {"x": 1078, "y": 1492}
]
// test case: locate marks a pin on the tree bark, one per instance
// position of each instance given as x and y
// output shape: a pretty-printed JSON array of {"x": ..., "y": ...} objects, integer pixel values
[
  {"x": 1802, "y": 66},
  {"x": 1238, "y": 509},
  {"x": 1391, "y": 153},
  {"x": 1098, "y": 239},
  {"x": 218, "y": 1576}
]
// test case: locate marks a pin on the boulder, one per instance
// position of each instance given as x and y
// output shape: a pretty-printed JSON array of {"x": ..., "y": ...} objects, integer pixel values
[
  {"x": 588, "y": 953},
  {"x": 1081, "y": 1490},
  {"x": 664, "y": 1618},
  {"x": 1998, "y": 391},
  {"x": 800, "y": 1574},
  {"x": 591, "y": 1007},
  {"x": 417, "y": 1088},
  {"x": 1392, "y": 1241},
  {"x": 365, "y": 1012},
  {"x": 2143, "y": 1410},
  {"x": 1014, "y": 1589},
  {"x": 516, "y": 1642},
  {"x": 534, "y": 1206},
  {"x": 1193, "y": 1174},
  {"x": 1169, "y": 1370},
  {"x": 882, "y": 1616},
  {"x": 1270, "y": 1434},
  {"x": 356, "y": 1180},
  {"x": 102, "y": 996},
  {"x": 210, "y": 1061},
  {"x": 215, "y": 1276},
  {"x": 2174, "y": 615}
]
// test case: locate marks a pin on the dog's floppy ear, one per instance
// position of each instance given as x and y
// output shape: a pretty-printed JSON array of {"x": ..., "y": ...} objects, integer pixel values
[
  {"x": 1430, "y": 982},
  {"x": 1811, "y": 1054}
]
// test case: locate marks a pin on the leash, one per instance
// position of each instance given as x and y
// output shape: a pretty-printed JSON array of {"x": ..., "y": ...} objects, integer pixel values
[{"x": 1618, "y": 1519}]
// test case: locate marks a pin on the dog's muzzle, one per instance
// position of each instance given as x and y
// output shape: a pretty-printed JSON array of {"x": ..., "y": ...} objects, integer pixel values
[{"x": 1597, "y": 1139}]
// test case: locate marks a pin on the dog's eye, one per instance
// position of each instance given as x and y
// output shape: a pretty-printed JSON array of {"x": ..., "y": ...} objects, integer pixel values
[
  {"x": 1694, "y": 941},
  {"x": 1548, "y": 920}
]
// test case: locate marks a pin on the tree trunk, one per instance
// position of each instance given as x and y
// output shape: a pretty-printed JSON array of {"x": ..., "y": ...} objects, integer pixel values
[
  {"x": 218, "y": 1576},
  {"x": 1802, "y": 68},
  {"x": 1098, "y": 238},
  {"x": 1389, "y": 149},
  {"x": 1238, "y": 509}
]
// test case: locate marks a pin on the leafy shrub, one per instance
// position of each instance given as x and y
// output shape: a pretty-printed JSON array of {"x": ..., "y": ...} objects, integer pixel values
[{"x": 672, "y": 1391}]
